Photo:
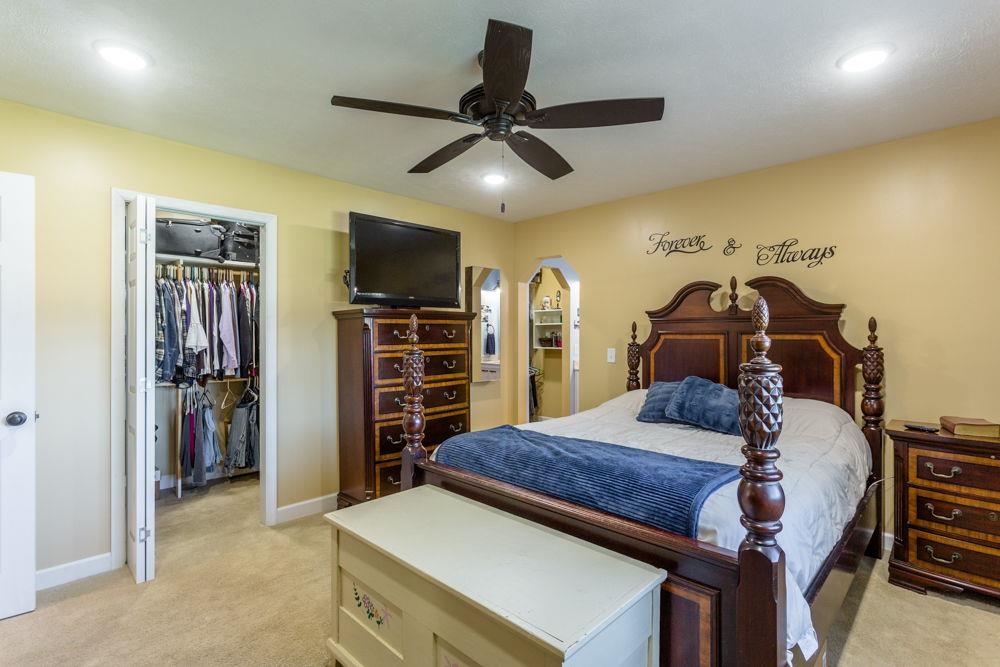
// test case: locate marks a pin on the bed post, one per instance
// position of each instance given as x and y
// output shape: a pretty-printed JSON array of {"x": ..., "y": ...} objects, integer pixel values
[
  {"x": 761, "y": 592},
  {"x": 632, "y": 359},
  {"x": 413, "y": 411},
  {"x": 873, "y": 407}
]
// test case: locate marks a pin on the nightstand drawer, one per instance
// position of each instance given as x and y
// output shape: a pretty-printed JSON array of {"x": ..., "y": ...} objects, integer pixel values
[
  {"x": 958, "y": 516},
  {"x": 960, "y": 473},
  {"x": 969, "y": 562}
]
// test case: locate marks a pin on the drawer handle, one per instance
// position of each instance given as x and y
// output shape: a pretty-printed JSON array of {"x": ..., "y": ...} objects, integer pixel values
[
  {"x": 453, "y": 395},
  {"x": 400, "y": 403},
  {"x": 954, "y": 513},
  {"x": 452, "y": 366},
  {"x": 954, "y": 556},
  {"x": 398, "y": 368},
  {"x": 993, "y": 516},
  {"x": 455, "y": 428},
  {"x": 955, "y": 470},
  {"x": 447, "y": 335},
  {"x": 393, "y": 481},
  {"x": 398, "y": 441},
  {"x": 400, "y": 336}
]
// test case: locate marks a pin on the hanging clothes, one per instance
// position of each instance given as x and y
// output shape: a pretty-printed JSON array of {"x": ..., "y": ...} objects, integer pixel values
[
  {"x": 243, "y": 445},
  {"x": 490, "y": 345}
]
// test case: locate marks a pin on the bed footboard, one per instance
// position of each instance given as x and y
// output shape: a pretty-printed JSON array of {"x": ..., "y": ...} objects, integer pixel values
[{"x": 718, "y": 607}]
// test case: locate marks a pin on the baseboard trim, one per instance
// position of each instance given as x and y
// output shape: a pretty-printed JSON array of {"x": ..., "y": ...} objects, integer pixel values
[
  {"x": 67, "y": 572},
  {"x": 307, "y": 508}
]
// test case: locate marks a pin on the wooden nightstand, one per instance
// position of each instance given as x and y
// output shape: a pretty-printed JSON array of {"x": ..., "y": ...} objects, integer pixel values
[{"x": 947, "y": 506}]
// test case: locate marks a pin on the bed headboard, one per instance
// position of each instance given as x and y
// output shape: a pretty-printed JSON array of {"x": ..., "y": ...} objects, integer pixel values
[{"x": 688, "y": 337}]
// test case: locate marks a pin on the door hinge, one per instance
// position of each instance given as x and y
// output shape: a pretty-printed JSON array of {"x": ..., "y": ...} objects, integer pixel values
[
  {"x": 145, "y": 384},
  {"x": 143, "y": 236},
  {"x": 144, "y": 534}
]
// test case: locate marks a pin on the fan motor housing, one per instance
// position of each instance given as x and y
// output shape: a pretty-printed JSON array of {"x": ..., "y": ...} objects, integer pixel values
[{"x": 471, "y": 105}]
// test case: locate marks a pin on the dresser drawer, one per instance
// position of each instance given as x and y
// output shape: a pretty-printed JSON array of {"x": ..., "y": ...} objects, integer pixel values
[
  {"x": 975, "y": 475},
  {"x": 391, "y": 334},
  {"x": 962, "y": 560},
  {"x": 955, "y": 515},
  {"x": 438, "y": 396},
  {"x": 389, "y": 440},
  {"x": 438, "y": 365}
]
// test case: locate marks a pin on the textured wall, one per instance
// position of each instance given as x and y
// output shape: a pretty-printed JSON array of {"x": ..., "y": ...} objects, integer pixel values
[{"x": 76, "y": 164}]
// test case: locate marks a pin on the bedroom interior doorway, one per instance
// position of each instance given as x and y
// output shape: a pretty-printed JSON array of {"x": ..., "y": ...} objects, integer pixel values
[
  {"x": 549, "y": 312},
  {"x": 146, "y": 431}
]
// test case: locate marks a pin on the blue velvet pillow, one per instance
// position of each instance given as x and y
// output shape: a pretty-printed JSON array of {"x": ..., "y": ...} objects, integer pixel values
[
  {"x": 701, "y": 402},
  {"x": 654, "y": 409}
]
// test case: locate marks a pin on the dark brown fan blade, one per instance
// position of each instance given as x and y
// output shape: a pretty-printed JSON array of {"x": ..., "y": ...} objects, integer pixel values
[
  {"x": 538, "y": 154},
  {"x": 396, "y": 108},
  {"x": 506, "y": 58},
  {"x": 449, "y": 152},
  {"x": 600, "y": 113}
]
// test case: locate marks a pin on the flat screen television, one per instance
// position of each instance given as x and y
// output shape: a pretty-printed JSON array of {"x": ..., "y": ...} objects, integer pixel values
[{"x": 397, "y": 263}]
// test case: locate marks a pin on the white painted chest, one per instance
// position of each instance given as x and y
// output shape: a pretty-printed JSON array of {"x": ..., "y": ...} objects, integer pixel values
[{"x": 427, "y": 578}]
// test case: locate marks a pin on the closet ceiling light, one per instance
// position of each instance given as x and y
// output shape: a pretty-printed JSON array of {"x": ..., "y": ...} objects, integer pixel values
[
  {"x": 865, "y": 58},
  {"x": 495, "y": 179},
  {"x": 123, "y": 56}
]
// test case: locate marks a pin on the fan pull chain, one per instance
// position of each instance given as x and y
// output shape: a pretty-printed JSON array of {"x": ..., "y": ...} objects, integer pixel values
[{"x": 503, "y": 204}]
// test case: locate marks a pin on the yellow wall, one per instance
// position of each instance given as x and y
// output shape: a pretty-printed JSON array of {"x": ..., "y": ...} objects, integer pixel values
[
  {"x": 76, "y": 163},
  {"x": 916, "y": 225}
]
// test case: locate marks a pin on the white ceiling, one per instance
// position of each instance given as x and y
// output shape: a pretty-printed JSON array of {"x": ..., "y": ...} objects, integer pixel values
[{"x": 747, "y": 84}]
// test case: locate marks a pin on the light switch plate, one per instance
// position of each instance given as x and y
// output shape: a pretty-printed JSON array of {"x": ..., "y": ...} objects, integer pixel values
[{"x": 611, "y": 355}]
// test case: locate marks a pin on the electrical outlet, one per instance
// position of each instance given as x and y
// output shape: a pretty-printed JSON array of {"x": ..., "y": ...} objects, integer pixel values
[{"x": 611, "y": 355}]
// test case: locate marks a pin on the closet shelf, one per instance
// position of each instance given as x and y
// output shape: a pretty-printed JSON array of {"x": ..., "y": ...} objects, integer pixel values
[
  {"x": 199, "y": 261},
  {"x": 226, "y": 381}
]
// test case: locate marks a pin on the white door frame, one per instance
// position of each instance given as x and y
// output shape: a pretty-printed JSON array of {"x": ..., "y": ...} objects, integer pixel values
[{"x": 269, "y": 353}]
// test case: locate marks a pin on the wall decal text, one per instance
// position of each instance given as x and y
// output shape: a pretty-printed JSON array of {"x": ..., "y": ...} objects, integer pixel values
[
  {"x": 784, "y": 253},
  {"x": 688, "y": 245}
]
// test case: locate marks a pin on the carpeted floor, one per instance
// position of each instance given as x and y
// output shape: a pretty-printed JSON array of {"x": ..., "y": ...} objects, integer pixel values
[{"x": 230, "y": 591}]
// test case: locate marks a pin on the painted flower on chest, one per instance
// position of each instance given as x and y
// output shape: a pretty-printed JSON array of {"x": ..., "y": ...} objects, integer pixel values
[{"x": 380, "y": 616}]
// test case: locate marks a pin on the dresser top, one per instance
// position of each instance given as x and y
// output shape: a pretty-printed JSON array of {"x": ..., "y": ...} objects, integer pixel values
[{"x": 553, "y": 587}]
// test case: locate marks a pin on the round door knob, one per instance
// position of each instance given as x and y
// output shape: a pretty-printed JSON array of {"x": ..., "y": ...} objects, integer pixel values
[{"x": 16, "y": 418}]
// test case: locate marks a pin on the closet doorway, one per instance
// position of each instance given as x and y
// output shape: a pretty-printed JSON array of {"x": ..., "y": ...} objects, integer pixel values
[
  {"x": 550, "y": 306},
  {"x": 162, "y": 420}
]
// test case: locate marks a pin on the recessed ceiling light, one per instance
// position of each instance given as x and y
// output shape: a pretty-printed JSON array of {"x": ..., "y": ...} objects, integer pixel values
[
  {"x": 122, "y": 55},
  {"x": 494, "y": 178},
  {"x": 865, "y": 58}
]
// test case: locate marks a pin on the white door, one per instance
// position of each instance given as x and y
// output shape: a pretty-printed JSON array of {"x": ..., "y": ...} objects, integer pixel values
[
  {"x": 17, "y": 394},
  {"x": 140, "y": 217}
]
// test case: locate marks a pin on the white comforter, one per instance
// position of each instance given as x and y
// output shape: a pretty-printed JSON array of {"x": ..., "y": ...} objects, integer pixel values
[{"x": 824, "y": 457}]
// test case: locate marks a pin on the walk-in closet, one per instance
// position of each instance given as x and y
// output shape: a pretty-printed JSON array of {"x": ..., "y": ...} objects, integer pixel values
[{"x": 198, "y": 346}]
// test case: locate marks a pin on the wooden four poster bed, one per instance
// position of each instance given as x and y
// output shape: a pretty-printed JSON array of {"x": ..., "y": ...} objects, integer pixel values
[{"x": 718, "y": 606}]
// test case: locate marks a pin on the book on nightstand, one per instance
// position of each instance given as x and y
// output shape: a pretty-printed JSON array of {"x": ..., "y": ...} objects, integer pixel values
[{"x": 971, "y": 426}]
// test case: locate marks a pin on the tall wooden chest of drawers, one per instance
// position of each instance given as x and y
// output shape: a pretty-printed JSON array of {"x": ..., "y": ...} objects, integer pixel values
[
  {"x": 947, "y": 505},
  {"x": 370, "y": 394}
]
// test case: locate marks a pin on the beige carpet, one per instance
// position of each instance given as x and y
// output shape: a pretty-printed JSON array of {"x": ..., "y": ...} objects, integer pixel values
[
  {"x": 232, "y": 592},
  {"x": 228, "y": 591}
]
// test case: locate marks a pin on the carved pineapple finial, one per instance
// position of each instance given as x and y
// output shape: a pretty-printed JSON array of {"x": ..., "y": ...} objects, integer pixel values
[
  {"x": 761, "y": 389},
  {"x": 872, "y": 370},
  {"x": 632, "y": 359},
  {"x": 413, "y": 409},
  {"x": 733, "y": 296}
]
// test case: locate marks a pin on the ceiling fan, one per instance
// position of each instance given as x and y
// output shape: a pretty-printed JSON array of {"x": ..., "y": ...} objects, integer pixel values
[{"x": 501, "y": 103}]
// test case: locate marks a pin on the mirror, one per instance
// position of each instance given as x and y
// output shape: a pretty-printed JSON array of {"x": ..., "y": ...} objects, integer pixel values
[{"x": 482, "y": 296}]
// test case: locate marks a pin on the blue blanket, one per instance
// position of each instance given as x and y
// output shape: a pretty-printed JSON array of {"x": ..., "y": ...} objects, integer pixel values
[{"x": 656, "y": 489}]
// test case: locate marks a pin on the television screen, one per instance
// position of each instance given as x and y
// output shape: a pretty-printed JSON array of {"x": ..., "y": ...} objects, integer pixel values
[{"x": 397, "y": 263}]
